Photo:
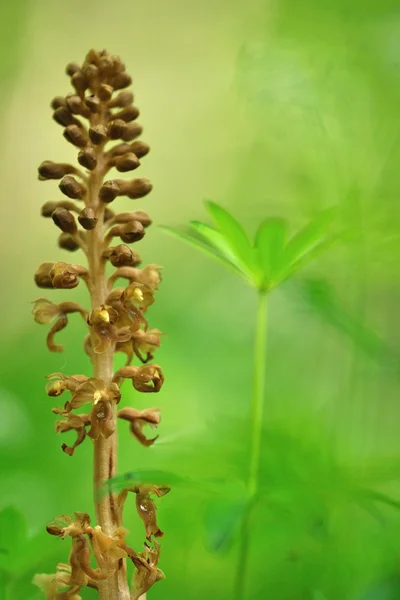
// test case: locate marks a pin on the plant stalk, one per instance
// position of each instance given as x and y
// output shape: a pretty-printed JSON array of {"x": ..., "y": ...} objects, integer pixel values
[
  {"x": 257, "y": 412},
  {"x": 105, "y": 450}
]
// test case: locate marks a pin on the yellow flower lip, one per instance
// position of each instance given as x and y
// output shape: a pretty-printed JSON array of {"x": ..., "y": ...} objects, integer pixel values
[
  {"x": 104, "y": 315},
  {"x": 96, "y": 396},
  {"x": 138, "y": 294}
]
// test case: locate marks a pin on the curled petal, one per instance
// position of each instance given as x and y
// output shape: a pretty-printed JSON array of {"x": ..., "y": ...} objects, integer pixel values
[
  {"x": 60, "y": 324},
  {"x": 56, "y": 388},
  {"x": 44, "y": 311},
  {"x": 147, "y": 572},
  {"x": 138, "y": 419},
  {"x": 148, "y": 378},
  {"x": 77, "y": 423},
  {"x": 67, "y": 276},
  {"x": 146, "y": 342},
  {"x": 80, "y": 555},
  {"x": 146, "y": 509}
]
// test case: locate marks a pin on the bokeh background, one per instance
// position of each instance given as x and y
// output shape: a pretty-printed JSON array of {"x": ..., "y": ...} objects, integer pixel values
[{"x": 269, "y": 108}]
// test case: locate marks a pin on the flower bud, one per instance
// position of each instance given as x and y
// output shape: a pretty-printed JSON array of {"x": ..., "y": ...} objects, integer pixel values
[
  {"x": 87, "y": 158},
  {"x": 72, "y": 188},
  {"x": 52, "y": 170},
  {"x": 49, "y": 207},
  {"x": 106, "y": 66},
  {"x": 42, "y": 275},
  {"x": 127, "y": 162},
  {"x": 64, "y": 276},
  {"x": 77, "y": 106},
  {"x": 63, "y": 117},
  {"x": 87, "y": 218},
  {"x": 72, "y": 68},
  {"x": 132, "y": 232},
  {"x": 105, "y": 92},
  {"x": 75, "y": 135},
  {"x": 135, "y": 215},
  {"x": 137, "y": 188},
  {"x": 129, "y": 113},
  {"x": 79, "y": 82},
  {"x": 64, "y": 220},
  {"x": 123, "y": 256},
  {"x": 109, "y": 191},
  {"x": 67, "y": 242},
  {"x": 121, "y": 100},
  {"x": 57, "y": 102},
  {"x": 140, "y": 148},
  {"x": 93, "y": 104},
  {"x": 122, "y": 80},
  {"x": 90, "y": 72},
  {"x": 116, "y": 129},
  {"x": 131, "y": 131},
  {"x": 98, "y": 134}
]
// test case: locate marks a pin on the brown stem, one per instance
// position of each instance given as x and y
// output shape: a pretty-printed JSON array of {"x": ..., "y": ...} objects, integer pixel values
[{"x": 105, "y": 450}]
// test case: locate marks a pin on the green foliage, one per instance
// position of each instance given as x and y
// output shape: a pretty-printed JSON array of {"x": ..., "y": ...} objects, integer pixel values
[{"x": 270, "y": 259}]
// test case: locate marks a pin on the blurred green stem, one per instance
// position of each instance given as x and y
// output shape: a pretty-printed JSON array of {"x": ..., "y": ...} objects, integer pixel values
[{"x": 257, "y": 411}]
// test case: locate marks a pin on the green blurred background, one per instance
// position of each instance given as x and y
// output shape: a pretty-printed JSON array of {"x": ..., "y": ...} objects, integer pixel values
[{"x": 269, "y": 108}]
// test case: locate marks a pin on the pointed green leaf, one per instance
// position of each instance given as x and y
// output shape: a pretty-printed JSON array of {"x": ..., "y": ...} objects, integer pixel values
[
  {"x": 309, "y": 237},
  {"x": 222, "y": 520},
  {"x": 206, "y": 248},
  {"x": 234, "y": 234},
  {"x": 270, "y": 243}
]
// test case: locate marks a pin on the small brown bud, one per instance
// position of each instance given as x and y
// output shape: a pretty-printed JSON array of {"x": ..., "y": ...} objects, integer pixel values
[
  {"x": 93, "y": 104},
  {"x": 121, "y": 100},
  {"x": 132, "y": 232},
  {"x": 140, "y": 148},
  {"x": 67, "y": 242},
  {"x": 75, "y": 135},
  {"x": 57, "y": 102},
  {"x": 123, "y": 256},
  {"x": 106, "y": 65},
  {"x": 87, "y": 158},
  {"x": 87, "y": 218},
  {"x": 116, "y": 129},
  {"x": 98, "y": 134},
  {"x": 49, "y": 207},
  {"x": 79, "y": 82},
  {"x": 64, "y": 276},
  {"x": 63, "y": 117},
  {"x": 109, "y": 191},
  {"x": 72, "y": 188},
  {"x": 127, "y": 162},
  {"x": 129, "y": 113},
  {"x": 120, "y": 149},
  {"x": 52, "y": 170},
  {"x": 42, "y": 275},
  {"x": 137, "y": 188},
  {"x": 136, "y": 215},
  {"x": 72, "y": 68},
  {"x": 90, "y": 72},
  {"x": 131, "y": 131},
  {"x": 93, "y": 56},
  {"x": 64, "y": 220},
  {"x": 77, "y": 106},
  {"x": 122, "y": 80},
  {"x": 53, "y": 530},
  {"x": 105, "y": 92}
]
